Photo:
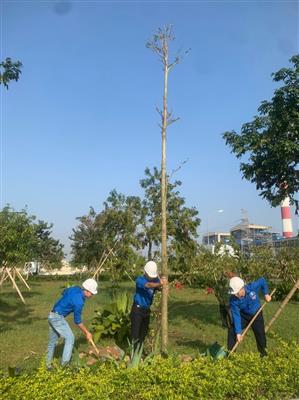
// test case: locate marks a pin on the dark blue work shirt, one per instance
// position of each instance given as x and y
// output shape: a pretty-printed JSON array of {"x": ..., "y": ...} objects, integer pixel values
[
  {"x": 249, "y": 304},
  {"x": 72, "y": 300},
  {"x": 144, "y": 295}
]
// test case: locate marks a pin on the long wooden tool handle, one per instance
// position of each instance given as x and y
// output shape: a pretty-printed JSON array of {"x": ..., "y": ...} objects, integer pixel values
[
  {"x": 94, "y": 346},
  {"x": 250, "y": 323}
]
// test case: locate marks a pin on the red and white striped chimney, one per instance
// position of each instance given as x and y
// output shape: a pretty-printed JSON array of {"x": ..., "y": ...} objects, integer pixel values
[{"x": 286, "y": 218}]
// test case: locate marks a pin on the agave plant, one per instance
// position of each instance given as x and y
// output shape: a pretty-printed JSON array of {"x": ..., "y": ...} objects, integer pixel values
[
  {"x": 136, "y": 356},
  {"x": 113, "y": 319}
]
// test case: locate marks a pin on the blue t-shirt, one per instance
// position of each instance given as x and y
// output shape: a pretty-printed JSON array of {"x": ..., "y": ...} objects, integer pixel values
[
  {"x": 72, "y": 300},
  {"x": 249, "y": 304},
  {"x": 144, "y": 295}
]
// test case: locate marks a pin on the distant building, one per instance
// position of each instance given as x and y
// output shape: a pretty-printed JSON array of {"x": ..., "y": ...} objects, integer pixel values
[
  {"x": 280, "y": 243},
  {"x": 246, "y": 233},
  {"x": 66, "y": 269},
  {"x": 211, "y": 238}
]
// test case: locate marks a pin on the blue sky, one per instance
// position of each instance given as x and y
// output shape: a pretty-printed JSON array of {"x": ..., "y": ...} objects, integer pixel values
[{"x": 81, "y": 121}]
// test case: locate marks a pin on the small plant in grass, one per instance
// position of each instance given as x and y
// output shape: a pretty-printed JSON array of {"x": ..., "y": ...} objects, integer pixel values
[{"x": 113, "y": 319}]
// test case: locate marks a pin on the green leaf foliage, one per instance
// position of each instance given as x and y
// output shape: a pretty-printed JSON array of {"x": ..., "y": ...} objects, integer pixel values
[
  {"x": 9, "y": 71},
  {"x": 23, "y": 238},
  {"x": 128, "y": 224},
  {"x": 281, "y": 269},
  {"x": 240, "y": 377},
  {"x": 113, "y": 319},
  {"x": 270, "y": 141},
  {"x": 182, "y": 221},
  {"x": 115, "y": 227}
]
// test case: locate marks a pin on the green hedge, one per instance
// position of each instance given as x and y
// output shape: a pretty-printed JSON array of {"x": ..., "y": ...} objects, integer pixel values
[{"x": 241, "y": 377}]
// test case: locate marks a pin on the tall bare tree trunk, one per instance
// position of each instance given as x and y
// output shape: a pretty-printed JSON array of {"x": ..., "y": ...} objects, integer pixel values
[
  {"x": 149, "y": 252},
  {"x": 160, "y": 45},
  {"x": 164, "y": 306}
]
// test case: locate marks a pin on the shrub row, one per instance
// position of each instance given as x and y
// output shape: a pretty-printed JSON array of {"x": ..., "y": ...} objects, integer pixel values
[{"x": 241, "y": 377}]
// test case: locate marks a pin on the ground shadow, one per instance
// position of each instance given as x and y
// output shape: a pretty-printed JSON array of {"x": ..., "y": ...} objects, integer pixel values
[
  {"x": 26, "y": 293},
  {"x": 20, "y": 314},
  {"x": 195, "y": 312},
  {"x": 198, "y": 345}
]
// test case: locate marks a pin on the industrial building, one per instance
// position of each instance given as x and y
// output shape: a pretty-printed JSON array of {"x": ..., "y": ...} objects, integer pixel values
[
  {"x": 211, "y": 238},
  {"x": 246, "y": 234},
  {"x": 252, "y": 234}
]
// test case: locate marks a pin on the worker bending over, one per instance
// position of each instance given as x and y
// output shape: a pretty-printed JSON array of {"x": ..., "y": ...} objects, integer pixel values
[
  {"x": 244, "y": 304},
  {"x": 72, "y": 301}
]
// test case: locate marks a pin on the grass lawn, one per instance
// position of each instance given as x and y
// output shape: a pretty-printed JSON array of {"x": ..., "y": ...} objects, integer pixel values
[{"x": 194, "y": 321}]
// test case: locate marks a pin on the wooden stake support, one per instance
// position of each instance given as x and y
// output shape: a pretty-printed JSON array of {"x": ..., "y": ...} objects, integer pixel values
[
  {"x": 12, "y": 273},
  {"x": 4, "y": 276},
  {"x": 249, "y": 325},
  {"x": 283, "y": 304},
  {"x": 99, "y": 269}
]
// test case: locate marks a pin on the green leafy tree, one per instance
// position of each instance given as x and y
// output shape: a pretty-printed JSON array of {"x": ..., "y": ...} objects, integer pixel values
[
  {"x": 121, "y": 219},
  {"x": 23, "y": 239},
  {"x": 280, "y": 265},
  {"x": 150, "y": 233},
  {"x": 115, "y": 227},
  {"x": 208, "y": 269},
  {"x": 214, "y": 270},
  {"x": 271, "y": 141},
  {"x": 17, "y": 239},
  {"x": 182, "y": 221},
  {"x": 183, "y": 230},
  {"x": 46, "y": 249},
  {"x": 128, "y": 224},
  {"x": 87, "y": 245},
  {"x": 9, "y": 71}
]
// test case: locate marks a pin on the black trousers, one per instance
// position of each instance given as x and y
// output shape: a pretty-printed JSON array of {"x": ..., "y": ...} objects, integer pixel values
[
  {"x": 140, "y": 319},
  {"x": 258, "y": 328},
  {"x": 225, "y": 315}
]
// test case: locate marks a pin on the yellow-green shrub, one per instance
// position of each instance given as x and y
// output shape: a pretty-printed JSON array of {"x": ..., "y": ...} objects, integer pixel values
[{"x": 241, "y": 377}]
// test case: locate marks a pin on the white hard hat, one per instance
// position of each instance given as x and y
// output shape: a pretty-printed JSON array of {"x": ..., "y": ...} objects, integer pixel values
[
  {"x": 236, "y": 284},
  {"x": 91, "y": 285},
  {"x": 150, "y": 269}
]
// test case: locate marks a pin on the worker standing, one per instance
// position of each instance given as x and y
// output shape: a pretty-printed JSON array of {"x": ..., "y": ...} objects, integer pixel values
[
  {"x": 146, "y": 285},
  {"x": 244, "y": 304},
  {"x": 72, "y": 301}
]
